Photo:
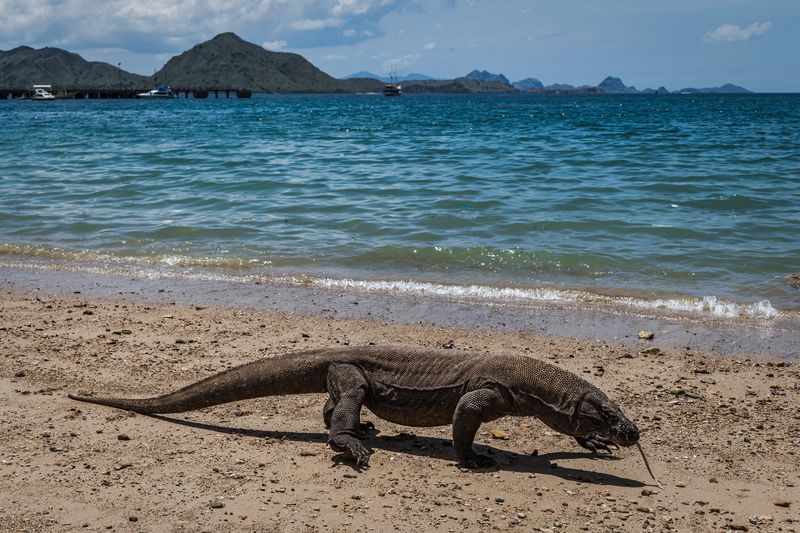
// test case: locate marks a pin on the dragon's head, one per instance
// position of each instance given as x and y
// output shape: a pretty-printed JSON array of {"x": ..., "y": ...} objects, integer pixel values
[{"x": 597, "y": 414}]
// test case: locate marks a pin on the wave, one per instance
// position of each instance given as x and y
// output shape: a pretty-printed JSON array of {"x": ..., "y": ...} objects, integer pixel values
[
  {"x": 707, "y": 306},
  {"x": 246, "y": 270},
  {"x": 462, "y": 291},
  {"x": 710, "y": 305}
]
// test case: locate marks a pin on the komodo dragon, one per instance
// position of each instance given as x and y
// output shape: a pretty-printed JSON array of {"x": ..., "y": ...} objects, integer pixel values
[{"x": 413, "y": 387}]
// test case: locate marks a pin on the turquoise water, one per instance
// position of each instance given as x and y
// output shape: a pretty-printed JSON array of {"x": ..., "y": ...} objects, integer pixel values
[{"x": 685, "y": 202}]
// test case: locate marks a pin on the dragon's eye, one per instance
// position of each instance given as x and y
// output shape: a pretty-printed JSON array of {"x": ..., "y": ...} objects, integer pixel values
[{"x": 606, "y": 411}]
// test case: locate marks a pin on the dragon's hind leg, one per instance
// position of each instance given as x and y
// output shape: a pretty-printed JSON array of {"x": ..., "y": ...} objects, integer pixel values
[{"x": 327, "y": 413}]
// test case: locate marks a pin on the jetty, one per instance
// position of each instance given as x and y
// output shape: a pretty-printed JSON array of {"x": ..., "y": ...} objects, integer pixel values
[{"x": 95, "y": 93}]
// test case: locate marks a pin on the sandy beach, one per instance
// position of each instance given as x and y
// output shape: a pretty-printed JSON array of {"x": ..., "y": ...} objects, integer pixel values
[{"x": 722, "y": 433}]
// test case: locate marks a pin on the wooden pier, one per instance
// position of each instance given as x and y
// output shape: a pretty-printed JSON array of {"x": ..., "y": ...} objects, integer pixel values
[{"x": 113, "y": 94}]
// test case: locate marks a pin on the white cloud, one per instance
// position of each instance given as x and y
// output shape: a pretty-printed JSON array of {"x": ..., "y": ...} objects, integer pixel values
[
  {"x": 157, "y": 26},
  {"x": 400, "y": 63},
  {"x": 274, "y": 45},
  {"x": 144, "y": 25},
  {"x": 316, "y": 24},
  {"x": 429, "y": 46},
  {"x": 732, "y": 32},
  {"x": 357, "y": 7}
]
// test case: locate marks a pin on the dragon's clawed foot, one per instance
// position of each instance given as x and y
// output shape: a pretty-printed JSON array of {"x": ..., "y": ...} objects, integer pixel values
[
  {"x": 595, "y": 443},
  {"x": 477, "y": 460},
  {"x": 353, "y": 447}
]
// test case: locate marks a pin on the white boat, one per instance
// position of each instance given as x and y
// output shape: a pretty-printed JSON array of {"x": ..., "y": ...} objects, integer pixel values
[
  {"x": 42, "y": 92},
  {"x": 159, "y": 91}
]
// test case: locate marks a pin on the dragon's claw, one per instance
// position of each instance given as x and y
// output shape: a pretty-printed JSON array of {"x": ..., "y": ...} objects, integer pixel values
[
  {"x": 479, "y": 461},
  {"x": 595, "y": 443}
]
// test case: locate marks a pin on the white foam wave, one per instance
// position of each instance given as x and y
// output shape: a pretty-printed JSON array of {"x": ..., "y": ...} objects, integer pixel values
[
  {"x": 462, "y": 291},
  {"x": 708, "y": 305}
]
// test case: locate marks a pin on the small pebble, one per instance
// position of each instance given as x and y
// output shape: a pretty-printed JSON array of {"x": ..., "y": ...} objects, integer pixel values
[
  {"x": 646, "y": 335},
  {"x": 216, "y": 505},
  {"x": 123, "y": 436},
  {"x": 783, "y": 503}
]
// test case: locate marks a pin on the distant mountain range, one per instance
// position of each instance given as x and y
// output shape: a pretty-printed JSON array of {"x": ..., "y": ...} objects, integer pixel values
[
  {"x": 387, "y": 79},
  {"x": 228, "y": 61},
  {"x": 458, "y": 85},
  {"x": 612, "y": 85}
]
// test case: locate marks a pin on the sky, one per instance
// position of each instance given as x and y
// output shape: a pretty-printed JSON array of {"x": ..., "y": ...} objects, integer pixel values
[{"x": 647, "y": 43}]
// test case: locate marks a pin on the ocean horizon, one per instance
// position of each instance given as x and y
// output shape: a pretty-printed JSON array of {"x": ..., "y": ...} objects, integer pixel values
[{"x": 674, "y": 204}]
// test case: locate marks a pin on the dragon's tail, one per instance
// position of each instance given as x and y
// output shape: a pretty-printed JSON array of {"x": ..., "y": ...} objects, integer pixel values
[{"x": 291, "y": 374}]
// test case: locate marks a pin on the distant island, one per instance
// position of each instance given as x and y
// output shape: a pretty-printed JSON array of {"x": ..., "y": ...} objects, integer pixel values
[
  {"x": 389, "y": 79},
  {"x": 228, "y": 61},
  {"x": 612, "y": 85}
]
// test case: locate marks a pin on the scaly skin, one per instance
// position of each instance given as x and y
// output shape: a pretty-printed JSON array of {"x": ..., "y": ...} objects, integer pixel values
[{"x": 412, "y": 387}]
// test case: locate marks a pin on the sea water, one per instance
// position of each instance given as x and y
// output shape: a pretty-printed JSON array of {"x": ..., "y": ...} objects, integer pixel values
[{"x": 686, "y": 203}]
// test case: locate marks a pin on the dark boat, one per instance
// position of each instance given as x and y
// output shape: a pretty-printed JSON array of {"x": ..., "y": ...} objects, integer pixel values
[{"x": 392, "y": 89}]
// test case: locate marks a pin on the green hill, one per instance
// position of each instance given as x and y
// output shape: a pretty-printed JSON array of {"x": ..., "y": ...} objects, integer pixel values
[
  {"x": 229, "y": 61},
  {"x": 24, "y": 66}
]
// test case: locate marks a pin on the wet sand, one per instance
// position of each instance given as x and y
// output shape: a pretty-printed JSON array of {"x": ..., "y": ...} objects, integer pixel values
[{"x": 722, "y": 433}]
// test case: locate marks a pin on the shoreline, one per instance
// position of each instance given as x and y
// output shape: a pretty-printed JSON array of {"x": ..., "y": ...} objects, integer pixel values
[
  {"x": 596, "y": 318},
  {"x": 720, "y": 432}
]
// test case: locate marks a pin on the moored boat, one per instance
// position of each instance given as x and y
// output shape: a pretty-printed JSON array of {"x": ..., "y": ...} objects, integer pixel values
[
  {"x": 159, "y": 91},
  {"x": 42, "y": 93}
]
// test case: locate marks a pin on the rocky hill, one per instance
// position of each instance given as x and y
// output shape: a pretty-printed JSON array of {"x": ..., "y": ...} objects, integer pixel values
[
  {"x": 363, "y": 85},
  {"x": 612, "y": 85},
  {"x": 458, "y": 85},
  {"x": 528, "y": 84},
  {"x": 728, "y": 88},
  {"x": 25, "y": 66},
  {"x": 483, "y": 75},
  {"x": 227, "y": 60}
]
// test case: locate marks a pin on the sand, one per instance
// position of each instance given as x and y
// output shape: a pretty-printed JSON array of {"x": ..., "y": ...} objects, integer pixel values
[{"x": 722, "y": 433}]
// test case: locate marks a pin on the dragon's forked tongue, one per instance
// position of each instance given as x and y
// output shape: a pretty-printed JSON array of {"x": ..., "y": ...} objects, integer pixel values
[{"x": 647, "y": 464}]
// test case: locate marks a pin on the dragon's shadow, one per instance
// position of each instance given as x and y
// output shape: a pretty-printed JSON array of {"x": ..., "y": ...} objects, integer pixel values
[{"x": 544, "y": 464}]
